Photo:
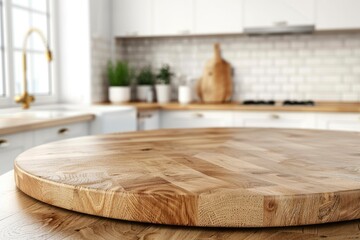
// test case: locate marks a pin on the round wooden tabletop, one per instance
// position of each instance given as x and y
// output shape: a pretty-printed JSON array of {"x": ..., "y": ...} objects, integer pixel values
[{"x": 201, "y": 177}]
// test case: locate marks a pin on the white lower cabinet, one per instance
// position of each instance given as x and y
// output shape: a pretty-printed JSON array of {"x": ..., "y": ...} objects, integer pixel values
[
  {"x": 148, "y": 120},
  {"x": 341, "y": 121},
  {"x": 11, "y": 146},
  {"x": 260, "y": 119},
  {"x": 62, "y": 132},
  {"x": 275, "y": 120},
  {"x": 196, "y": 119}
]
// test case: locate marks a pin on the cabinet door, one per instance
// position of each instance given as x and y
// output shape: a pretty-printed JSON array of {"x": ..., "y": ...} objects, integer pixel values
[
  {"x": 218, "y": 16},
  {"x": 342, "y": 122},
  {"x": 196, "y": 119},
  {"x": 337, "y": 14},
  {"x": 11, "y": 146},
  {"x": 132, "y": 18},
  {"x": 52, "y": 134},
  {"x": 173, "y": 17},
  {"x": 116, "y": 119},
  {"x": 275, "y": 120},
  {"x": 265, "y": 13},
  {"x": 148, "y": 120}
]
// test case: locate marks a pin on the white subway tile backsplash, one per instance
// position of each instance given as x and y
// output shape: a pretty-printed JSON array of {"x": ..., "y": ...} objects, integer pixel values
[
  {"x": 319, "y": 66},
  {"x": 350, "y": 97}
]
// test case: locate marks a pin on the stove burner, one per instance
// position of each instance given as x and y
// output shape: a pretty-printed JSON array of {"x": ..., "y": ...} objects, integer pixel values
[
  {"x": 259, "y": 102},
  {"x": 284, "y": 103},
  {"x": 298, "y": 103}
]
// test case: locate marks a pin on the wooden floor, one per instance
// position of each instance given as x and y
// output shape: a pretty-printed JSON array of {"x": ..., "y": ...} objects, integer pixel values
[
  {"x": 201, "y": 177},
  {"x": 22, "y": 217}
]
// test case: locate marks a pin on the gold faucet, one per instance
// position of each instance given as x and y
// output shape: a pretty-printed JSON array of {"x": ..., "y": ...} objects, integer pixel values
[{"x": 25, "y": 98}]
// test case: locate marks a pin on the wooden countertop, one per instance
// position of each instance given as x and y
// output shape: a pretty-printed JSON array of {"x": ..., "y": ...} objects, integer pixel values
[
  {"x": 230, "y": 177},
  {"x": 22, "y": 217},
  {"x": 350, "y": 107},
  {"x": 27, "y": 121}
]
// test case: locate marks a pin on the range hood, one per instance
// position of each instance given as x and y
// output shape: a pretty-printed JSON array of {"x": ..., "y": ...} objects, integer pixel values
[{"x": 280, "y": 29}]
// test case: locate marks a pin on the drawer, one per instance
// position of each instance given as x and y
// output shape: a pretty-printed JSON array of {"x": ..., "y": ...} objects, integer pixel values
[
  {"x": 148, "y": 120},
  {"x": 341, "y": 121},
  {"x": 275, "y": 120},
  {"x": 11, "y": 146},
  {"x": 196, "y": 119},
  {"x": 60, "y": 133}
]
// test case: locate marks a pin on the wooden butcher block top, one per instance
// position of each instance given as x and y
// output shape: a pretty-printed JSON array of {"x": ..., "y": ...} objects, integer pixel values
[
  {"x": 201, "y": 177},
  {"x": 22, "y": 217}
]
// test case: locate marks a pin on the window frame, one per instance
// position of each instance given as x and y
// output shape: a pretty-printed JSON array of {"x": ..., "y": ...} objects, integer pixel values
[
  {"x": 3, "y": 54},
  {"x": 8, "y": 100}
]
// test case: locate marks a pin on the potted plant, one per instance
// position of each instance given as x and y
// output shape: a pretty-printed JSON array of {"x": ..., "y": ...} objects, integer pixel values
[
  {"x": 163, "y": 84},
  {"x": 145, "y": 79},
  {"x": 119, "y": 75}
]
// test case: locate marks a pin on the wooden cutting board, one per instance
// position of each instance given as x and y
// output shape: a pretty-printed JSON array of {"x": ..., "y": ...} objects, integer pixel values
[
  {"x": 215, "y": 86},
  {"x": 201, "y": 177}
]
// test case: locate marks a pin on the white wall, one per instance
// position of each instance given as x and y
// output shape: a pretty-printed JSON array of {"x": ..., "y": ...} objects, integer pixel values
[
  {"x": 102, "y": 46},
  {"x": 85, "y": 46},
  {"x": 74, "y": 51}
]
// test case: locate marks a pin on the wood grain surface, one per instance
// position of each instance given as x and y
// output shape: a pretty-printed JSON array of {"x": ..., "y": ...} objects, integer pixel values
[
  {"x": 201, "y": 177},
  {"x": 9, "y": 125},
  {"x": 22, "y": 217},
  {"x": 341, "y": 107}
]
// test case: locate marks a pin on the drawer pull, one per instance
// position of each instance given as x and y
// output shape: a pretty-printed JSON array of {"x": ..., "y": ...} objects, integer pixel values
[
  {"x": 199, "y": 115},
  {"x": 4, "y": 143},
  {"x": 143, "y": 116},
  {"x": 63, "y": 131},
  {"x": 274, "y": 116}
]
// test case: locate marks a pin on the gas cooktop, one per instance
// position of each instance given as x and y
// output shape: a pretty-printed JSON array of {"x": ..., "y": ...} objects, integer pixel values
[{"x": 284, "y": 103}]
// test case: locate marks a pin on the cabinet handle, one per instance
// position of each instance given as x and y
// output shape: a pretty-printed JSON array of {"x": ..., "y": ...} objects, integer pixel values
[
  {"x": 274, "y": 116},
  {"x": 143, "y": 116},
  {"x": 198, "y": 115},
  {"x": 4, "y": 143},
  {"x": 281, "y": 23},
  {"x": 63, "y": 131}
]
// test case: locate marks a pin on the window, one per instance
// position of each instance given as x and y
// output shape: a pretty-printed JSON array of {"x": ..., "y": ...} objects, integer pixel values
[
  {"x": 16, "y": 18},
  {"x": 2, "y": 51},
  {"x": 27, "y": 14}
]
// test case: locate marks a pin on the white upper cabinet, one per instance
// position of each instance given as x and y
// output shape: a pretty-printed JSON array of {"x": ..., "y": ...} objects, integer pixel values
[
  {"x": 337, "y": 14},
  {"x": 272, "y": 13},
  {"x": 132, "y": 18},
  {"x": 218, "y": 16},
  {"x": 173, "y": 17}
]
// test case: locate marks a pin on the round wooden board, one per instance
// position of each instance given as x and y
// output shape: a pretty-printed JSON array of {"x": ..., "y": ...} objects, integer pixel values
[{"x": 201, "y": 177}]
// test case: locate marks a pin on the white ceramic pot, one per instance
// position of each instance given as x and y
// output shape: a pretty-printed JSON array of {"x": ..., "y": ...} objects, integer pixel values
[
  {"x": 184, "y": 95},
  {"x": 119, "y": 94},
  {"x": 142, "y": 92},
  {"x": 162, "y": 93}
]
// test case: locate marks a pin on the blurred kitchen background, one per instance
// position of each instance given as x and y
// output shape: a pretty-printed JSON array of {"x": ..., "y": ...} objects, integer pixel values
[{"x": 284, "y": 64}]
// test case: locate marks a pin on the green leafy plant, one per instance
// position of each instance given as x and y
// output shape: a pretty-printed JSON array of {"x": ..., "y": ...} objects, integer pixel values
[
  {"x": 165, "y": 75},
  {"x": 119, "y": 74},
  {"x": 146, "y": 76}
]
